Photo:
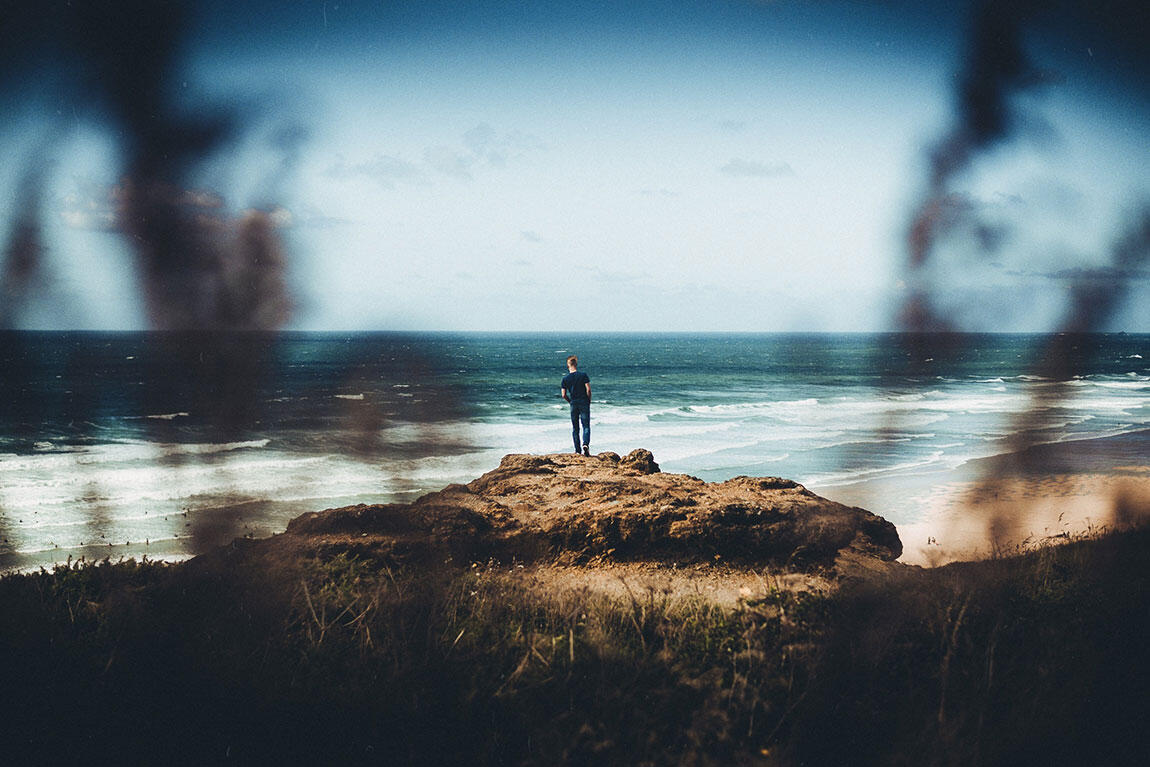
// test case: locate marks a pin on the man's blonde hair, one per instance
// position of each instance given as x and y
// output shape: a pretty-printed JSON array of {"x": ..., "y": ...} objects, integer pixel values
[{"x": 573, "y": 361}]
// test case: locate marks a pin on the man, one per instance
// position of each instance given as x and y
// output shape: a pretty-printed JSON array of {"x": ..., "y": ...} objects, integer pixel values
[{"x": 576, "y": 389}]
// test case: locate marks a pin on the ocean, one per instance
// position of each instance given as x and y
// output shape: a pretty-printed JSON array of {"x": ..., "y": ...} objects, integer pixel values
[{"x": 162, "y": 444}]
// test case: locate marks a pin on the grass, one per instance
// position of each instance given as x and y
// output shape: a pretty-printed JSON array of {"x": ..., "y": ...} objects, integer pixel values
[{"x": 1035, "y": 658}]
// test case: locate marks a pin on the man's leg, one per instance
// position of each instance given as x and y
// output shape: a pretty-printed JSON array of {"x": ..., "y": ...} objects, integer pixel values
[
  {"x": 575, "y": 425},
  {"x": 585, "y": 416}
]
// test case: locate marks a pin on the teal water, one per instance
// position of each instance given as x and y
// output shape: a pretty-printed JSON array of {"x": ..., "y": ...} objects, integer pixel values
[{"x": 182, "y": 440}]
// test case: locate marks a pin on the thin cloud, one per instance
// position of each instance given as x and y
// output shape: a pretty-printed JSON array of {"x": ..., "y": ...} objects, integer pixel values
[
  {"x": 311, "y": 217},
  {"x": 480, "y": 147},
  {"x": 493, "y": 148},
  {"x": 1107, "y": 274},
  {"x": 530, "y": 236},
  {"x": 741, "y": 168},
  {"x": 449, "y": 162},
  {"x": 383, "y": 169},
  {"x": 611, "y": 277},
  {"x": 963, "y": 217}
]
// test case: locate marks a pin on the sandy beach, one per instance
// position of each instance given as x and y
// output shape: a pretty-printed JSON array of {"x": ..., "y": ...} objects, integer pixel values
[{"x": 1013, "y": 501}]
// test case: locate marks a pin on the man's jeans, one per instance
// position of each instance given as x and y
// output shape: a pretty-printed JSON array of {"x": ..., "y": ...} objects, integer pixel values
[{"x": 581, "y": 411}]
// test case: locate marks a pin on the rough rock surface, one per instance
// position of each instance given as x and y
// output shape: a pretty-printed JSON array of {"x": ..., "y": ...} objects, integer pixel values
[{"x": 572, "y": 509}]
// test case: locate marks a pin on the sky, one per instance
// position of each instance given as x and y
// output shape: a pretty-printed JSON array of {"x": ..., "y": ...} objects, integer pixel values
[{"x": 736, "y": 165}]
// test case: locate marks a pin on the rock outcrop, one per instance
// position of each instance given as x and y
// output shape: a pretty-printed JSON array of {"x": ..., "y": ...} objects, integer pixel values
[{"x": 574, "y": 509}]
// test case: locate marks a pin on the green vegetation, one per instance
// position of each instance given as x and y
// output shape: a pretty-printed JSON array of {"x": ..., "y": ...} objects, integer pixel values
[{"x": 1039, "y": 658}]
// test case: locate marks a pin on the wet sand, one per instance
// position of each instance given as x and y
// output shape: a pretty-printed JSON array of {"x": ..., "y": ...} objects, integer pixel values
[{"x": 1013, "y": 501}]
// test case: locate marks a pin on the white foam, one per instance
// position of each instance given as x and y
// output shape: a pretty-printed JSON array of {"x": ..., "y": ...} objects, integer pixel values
[
  {"x": 850, "y": 477},
  {"x": 784, "y": 406},
  {"x": 1115, "y": 403},
  {"x": 1140, "y": 384}
]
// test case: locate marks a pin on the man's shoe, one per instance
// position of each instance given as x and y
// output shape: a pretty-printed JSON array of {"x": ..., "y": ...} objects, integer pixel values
[{"x": 587, "y": 450}]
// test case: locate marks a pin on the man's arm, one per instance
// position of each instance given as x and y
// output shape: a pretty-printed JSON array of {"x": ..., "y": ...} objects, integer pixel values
[
  {"x": 563, "y": 394},
  {"x": 588, "y": 391}
]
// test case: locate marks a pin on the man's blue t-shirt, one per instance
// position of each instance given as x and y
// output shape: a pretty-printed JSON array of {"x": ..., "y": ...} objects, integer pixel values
[{"x": 576, "y": 385}]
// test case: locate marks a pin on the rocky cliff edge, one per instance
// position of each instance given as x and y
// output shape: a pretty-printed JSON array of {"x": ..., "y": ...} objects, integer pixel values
[{"x": 570, "y": 509}]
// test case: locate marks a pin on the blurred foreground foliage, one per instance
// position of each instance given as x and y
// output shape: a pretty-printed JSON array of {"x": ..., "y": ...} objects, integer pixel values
[{"x": 1039, "y": 658}]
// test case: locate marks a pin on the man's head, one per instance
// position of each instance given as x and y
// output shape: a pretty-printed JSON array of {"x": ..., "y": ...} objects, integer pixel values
[{"x": 572, "y": 363}]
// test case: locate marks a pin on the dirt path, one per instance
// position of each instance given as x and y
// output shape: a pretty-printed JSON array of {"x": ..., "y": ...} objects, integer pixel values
[{"x": 719, "y": 584}]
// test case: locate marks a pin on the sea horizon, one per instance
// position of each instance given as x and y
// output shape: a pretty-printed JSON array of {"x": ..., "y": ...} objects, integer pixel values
[{"x": 588, "y": 332}]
